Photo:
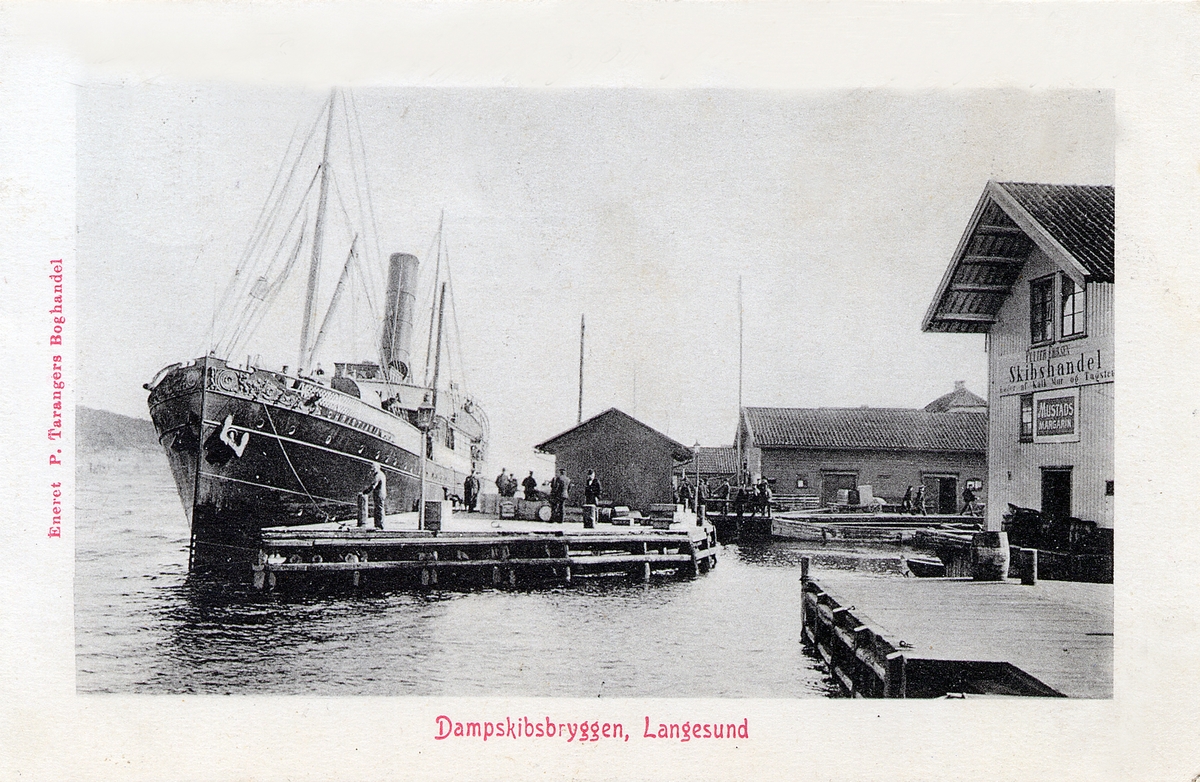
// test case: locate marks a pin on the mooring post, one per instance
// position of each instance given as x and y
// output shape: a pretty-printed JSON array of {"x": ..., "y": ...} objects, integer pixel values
[
  {"x": 1029, "y": 573},
  {"x": 894, "y": 686},
  {"x": 804, "y": 563}
]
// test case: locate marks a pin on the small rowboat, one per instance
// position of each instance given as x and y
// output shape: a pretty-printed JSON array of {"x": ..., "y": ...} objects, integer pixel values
[{"x": 925, "y": 568}]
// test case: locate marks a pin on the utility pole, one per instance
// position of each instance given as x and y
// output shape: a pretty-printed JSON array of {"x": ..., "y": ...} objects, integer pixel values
[{"x": 579, "y": 413}]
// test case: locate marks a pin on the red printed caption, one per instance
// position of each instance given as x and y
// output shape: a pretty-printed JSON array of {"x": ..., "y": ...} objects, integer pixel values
[
  {"x": 585, "y": 731},
  {"x": 55, "y": 432}
]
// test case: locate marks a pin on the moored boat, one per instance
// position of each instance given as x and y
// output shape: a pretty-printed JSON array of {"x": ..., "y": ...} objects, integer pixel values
[{"x": 252, "y": 447}]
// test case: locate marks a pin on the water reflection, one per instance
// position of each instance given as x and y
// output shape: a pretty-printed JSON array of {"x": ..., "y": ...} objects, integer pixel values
[{"x": 143, "y": 625}]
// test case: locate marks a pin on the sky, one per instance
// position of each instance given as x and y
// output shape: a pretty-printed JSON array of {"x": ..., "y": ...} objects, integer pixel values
[{"x": 639, "y": 209}]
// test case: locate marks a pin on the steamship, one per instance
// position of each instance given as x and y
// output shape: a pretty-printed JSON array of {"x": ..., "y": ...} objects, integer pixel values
[{"x": 252, "y": 447}]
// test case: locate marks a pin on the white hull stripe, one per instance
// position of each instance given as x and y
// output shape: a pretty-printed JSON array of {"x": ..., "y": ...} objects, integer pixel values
[{"x": 334, "y": 451}]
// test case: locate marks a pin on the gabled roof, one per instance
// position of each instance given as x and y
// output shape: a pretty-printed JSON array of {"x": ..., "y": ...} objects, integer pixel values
[
  {"x": 614, "y": 417},
  {"x": 957, "y": 399},
  {"x": 717, "y": 461},
  {"x": 866, "y": 428},
  {"x": 1072, "y": 224}
]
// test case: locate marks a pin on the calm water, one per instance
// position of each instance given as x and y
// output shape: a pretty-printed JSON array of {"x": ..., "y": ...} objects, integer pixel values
[{"x": 143, "y": 626}]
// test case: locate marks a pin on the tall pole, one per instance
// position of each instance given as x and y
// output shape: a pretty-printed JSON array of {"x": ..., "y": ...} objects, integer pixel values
[
  {"x": 314, "y": 269},
  {"x": 740, "y": 352},
  {"x": 437, "y": 351},
  {"x": 426, "y": 424},
  {"x": 579, "y": 413},
  {"x": 437, "y": 275}
]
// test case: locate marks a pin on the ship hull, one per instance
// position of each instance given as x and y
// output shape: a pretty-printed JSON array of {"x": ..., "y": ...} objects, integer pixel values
[{"x": 253, "y": 449}]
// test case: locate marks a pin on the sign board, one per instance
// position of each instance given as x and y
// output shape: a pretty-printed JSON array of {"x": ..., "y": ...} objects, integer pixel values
[
  {"x": 1054, "y": 366},
  {"x": 1056, "y": 416}
]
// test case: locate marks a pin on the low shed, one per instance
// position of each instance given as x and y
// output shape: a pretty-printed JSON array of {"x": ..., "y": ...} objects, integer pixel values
[{"x": 633, "y": 461}]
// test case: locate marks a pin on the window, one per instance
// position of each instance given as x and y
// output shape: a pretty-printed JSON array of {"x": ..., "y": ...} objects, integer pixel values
[
  {"x": 1074, "y": 309},
  {"x": 1041, "y": 310},
  {"x": 450, "y": 438},
  {"x": 1027, "y": 418}
]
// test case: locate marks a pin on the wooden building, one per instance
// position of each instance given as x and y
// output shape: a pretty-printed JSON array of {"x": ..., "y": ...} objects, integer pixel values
[
  {"x": 633, "y": 461},
  {"x": 715, "y": 464},
  {"x": 1034, "y": 272},
  {"x": 815, "y": 452}
]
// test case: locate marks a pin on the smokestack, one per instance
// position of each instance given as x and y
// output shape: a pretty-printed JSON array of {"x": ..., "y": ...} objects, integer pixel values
[{"x": 398, "y": 319}]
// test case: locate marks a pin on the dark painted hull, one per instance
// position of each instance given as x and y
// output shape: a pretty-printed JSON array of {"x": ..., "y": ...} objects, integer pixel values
[{"x": 289, "y": 455}]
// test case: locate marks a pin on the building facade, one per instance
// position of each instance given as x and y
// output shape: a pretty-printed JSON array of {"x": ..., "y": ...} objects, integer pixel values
[
  {"x": 1034, "y": 272},
  {"x": 816, "y": 452},
  {"x": 633, "y": 461},
  {"x": 715, "y": 464}
]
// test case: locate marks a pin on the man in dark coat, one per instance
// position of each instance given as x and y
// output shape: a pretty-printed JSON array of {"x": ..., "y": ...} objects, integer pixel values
[
  {"x": 592, "y": 488},
  {"x": 471, "y": 491},
  {"x": 685, "y": 493},
  {"x": 530, "y": 485},
  {"x": 560, "y": 489}
]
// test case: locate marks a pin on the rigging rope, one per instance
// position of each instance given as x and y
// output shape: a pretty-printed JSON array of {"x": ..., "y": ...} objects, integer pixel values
[
  {"x": 278, "y": 439},
  {"x": 272, "y": 204}
]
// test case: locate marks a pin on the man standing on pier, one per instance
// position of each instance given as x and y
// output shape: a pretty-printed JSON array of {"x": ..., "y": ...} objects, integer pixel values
[
  {"x": 591, "y": 489},
  {"x": 471, "y": 491},
  {"x": 560, "y": 489},
  {"x": 530, "y": 484},
  {"x": 377, "y": 489}
]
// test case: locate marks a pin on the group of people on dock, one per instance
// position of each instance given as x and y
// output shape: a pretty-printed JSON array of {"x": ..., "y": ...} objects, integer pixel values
[{"x": 754, "y": 499}]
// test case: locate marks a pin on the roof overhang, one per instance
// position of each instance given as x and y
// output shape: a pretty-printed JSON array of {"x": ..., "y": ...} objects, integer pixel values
[{"x": 999, "y": 238}]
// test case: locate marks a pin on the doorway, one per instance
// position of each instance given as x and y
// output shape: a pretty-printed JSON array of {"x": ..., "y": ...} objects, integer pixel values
[
  {"x": 941, "y": 493},
  {"x": 832, "y": 481},
  {"x": 1056, "y": 492}
]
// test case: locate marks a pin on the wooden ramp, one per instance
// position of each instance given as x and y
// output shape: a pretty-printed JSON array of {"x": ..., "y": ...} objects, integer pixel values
[{"x": 899, "y": 637}]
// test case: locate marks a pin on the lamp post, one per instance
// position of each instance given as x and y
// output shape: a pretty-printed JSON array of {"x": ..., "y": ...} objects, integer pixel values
[{"x": 425, "y": 415}]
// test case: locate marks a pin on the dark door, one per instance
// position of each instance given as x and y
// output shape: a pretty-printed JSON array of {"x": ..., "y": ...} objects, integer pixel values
[
  {"x": 941, "y": 494},
  {"x": 948, "y": 496},
  {"x": 832, "y": 481},
  {"x": 1056, "y": 492}
]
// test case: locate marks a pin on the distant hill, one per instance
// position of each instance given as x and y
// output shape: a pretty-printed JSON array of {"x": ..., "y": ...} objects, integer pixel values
[{"x": 100, "y": 430}]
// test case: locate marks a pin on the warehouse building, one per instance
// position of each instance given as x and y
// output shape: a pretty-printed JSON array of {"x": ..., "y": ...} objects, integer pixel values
[
  {"x": 1034, "y": 272},
  {"x": 810, "y": 454}
]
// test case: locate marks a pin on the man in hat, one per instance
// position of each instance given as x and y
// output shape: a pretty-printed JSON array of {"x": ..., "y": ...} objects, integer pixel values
[
  {"x": 377, "y": 489},
  {"x": 560, "y": 489},
  {"x": 591, "y": 489}
]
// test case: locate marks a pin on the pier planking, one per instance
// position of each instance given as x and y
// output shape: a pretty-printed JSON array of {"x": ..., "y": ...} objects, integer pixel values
[
  {"x": 1058, "y": 632},
  {"x": 473, "y": 549}
]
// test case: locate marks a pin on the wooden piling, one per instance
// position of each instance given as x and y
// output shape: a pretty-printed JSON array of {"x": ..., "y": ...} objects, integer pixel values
[{"x": 501, "y": 559}]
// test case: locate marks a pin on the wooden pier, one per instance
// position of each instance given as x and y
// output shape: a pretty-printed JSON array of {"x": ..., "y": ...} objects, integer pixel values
[
  {"x": 898, "y": 528},
  {"x": 477, "y": 551},
  {"x": 932, "y": 637}
]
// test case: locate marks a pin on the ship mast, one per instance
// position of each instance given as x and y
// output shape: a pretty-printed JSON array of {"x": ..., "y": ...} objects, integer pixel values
[
  {"x": 437, "y": 275},
  {"x": 314, "y": 269},
  {"x": 740, "y": 342},
  {"x": 437, "y": 354}
]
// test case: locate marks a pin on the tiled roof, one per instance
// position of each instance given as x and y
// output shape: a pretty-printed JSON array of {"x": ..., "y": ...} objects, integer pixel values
[
  {"x": 959, "y": 397},
  {"x": 717, "y": 461},
  {"x": 1071, "y": 224},
  {"x": 1079, "y": 217},
  {"x": 867, "y": 428}
]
